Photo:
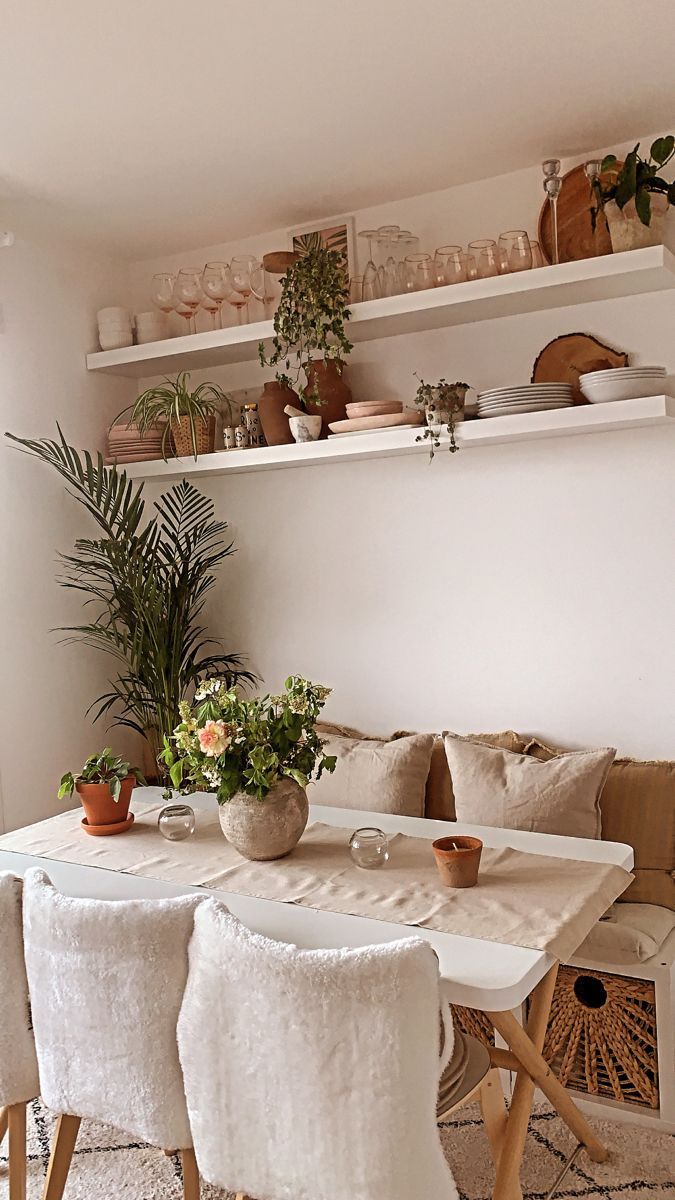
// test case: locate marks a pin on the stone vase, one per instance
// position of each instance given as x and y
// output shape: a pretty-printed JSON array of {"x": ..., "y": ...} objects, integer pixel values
[
  {"x": 334, "y": 393},
  {"x": 626, "y": 229},
  {"x": 265, "y": 829}
]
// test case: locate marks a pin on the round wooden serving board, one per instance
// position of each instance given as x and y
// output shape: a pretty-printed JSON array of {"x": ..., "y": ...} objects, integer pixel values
[
  {"x": 575, "y": 235},
  {"x": 567, "y": 357}
]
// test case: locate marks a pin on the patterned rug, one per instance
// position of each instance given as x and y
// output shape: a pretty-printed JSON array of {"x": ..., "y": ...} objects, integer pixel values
[{"x": 108, "y": 1165}]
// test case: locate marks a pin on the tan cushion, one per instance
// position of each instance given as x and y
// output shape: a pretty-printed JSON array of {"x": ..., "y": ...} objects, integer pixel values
[
  {"x": 638, "y": 808},
  {"x": 382, "y": 776},
  {"x": 511, "y": 791},
  {"x": 629, "y": 933},
  {"x": 440, "y": 800}
]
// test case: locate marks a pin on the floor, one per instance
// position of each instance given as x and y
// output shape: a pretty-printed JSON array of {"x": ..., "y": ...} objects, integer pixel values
[{"x": 107, "y": 1164}]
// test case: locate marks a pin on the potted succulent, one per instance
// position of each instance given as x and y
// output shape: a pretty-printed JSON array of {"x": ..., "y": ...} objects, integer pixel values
[
  {"x": 187, "y": 417},
  {"x": 257, "y": 755},
  {"x": 636, "y": 199},
  {"x": 443, "y": 405},
  {"x": 310, "y": 341},
  {"x": 104, "y": 786}
]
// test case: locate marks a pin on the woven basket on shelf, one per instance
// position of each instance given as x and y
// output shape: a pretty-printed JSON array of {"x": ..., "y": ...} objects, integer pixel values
[
  {"x": 601, "y": 1037},
  {"x": 474, "y": 1023},
  {"x": 205, "y": 436}
]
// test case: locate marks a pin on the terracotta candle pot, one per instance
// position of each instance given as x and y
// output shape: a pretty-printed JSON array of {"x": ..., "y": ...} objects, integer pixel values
[{"x": 458, "y": 860}]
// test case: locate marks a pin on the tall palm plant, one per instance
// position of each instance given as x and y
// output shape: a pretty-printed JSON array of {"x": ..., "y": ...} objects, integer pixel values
[{"x": 147, "y": 582}]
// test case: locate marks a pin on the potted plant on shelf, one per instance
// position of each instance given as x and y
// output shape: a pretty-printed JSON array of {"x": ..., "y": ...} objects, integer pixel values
[
  {"x": 104, "y": 786},
  {"x": 443, "y": 405},
  {"x": 187, "y": 417},
  {"x": 310, "y": 340},
  {"x": 257, "y": 755},
  {"x": 636, "y": 200}
]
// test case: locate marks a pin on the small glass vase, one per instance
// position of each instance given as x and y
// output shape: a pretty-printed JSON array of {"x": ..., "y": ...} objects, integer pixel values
[
  {"x": 369, "y": 848},
  {"x": 176, "y": 822}
]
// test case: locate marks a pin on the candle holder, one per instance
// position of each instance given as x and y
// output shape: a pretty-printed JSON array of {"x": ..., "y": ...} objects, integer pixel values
[
  {"x": 369, "y": 848},
  {"x": 176, "y": 822},
  {"x": 552, "y": 186}
]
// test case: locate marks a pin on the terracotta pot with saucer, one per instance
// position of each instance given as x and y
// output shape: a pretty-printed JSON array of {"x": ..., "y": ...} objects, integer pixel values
[{"x": 104, "y": 816}]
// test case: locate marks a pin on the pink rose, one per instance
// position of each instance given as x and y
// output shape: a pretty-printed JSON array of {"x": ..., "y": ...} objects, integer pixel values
[{"x": 213, "y": 739}]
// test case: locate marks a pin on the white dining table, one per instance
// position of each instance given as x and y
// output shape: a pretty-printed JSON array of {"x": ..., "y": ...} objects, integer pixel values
[{"x": 491, "y": 976}]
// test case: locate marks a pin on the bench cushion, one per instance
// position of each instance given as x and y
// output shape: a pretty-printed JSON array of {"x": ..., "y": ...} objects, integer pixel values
[{"x": 629, "y": 933}]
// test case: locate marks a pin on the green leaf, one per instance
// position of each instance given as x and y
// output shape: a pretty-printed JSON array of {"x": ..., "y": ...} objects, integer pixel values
[
  {"x": 662, "y": 149},
  {"x": 627, "y": 181},
  {"x": 643, "y": 205},
  {"x": 607, "y": 163}
]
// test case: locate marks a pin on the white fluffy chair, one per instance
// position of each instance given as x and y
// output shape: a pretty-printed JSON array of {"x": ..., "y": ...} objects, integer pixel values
[
  {"x": 106, "y": 981},
  {"x": 312, "y": 1073},
  {"x": 18, "y": 1063}
]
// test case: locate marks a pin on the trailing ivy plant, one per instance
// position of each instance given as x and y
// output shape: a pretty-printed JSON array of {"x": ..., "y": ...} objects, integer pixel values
[
  {"x": 637, "y": 179},
  {"x": 144, "y": 583},
  {"x": 441, "y": 397},
  {"x": 309, "y": 324}
]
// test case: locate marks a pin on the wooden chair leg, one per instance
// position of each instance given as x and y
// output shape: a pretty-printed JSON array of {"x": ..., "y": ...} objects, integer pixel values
[
  {"x": 67, "y": 1128},
  {"x": 494, "y": 1112},
  {"x": 4, "y": 1118},
  {"x": 16, "y": 1124},
  {"x": 190, "y": 1175}
]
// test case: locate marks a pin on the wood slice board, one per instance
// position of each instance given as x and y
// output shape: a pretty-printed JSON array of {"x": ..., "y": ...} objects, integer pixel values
[
  {"x": 361, "y": 424},
  {"x": 575, "y": 236},
  {"x": 567, "y": 357}
]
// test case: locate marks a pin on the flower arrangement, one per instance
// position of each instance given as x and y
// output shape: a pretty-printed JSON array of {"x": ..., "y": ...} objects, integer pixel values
[
  {"x": 105, "y": 767},
  {"x": 441, "y": 402},
  {"x": 229, "y": 745}
]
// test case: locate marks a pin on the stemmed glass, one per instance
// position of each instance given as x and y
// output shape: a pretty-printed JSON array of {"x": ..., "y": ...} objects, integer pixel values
[
  {"x": 162, "y": 291},
  {"x": 552, "y": 186},
  {"x": 387, "y": 236},
  {"x": 188, "y": 294},
  {"x": 216, "y": 286},
  {"x": 516, "y": 251},
  {"x": 240, "y": 279},
  {"x": 371, "y": 288}
]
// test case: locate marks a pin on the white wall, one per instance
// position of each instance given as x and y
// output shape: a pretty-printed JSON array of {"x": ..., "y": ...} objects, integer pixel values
[
  {"x": 49, "y": 294},
  {"x": 527, "y": 585}
]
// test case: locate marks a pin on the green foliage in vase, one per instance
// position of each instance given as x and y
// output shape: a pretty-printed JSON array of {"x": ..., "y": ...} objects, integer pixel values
[
  {"x": 637, "y": 180},
  {"x": 441, "y": 397},
  {"x": 309, "y": 324},
  {"x": 104, "y": 767},
  {"x": 144, "y": 582},
  {"x": 227, "y": 744},
  {"x": 166, "y": 404}
]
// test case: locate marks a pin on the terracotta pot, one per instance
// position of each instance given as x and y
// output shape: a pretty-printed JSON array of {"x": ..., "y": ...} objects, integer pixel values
[
  {"x": 264, "y": 829},
  {"x": 626, "y": 229},
  {"x": 334, "y": 392},
  {"x": 99, "y": 806},
  {"x": 458, "y": 860},
  {"x": 273, "y": 400},
  {"x": 205, "y": 436}
]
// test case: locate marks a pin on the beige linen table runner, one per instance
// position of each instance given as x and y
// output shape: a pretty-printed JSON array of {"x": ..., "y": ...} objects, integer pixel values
[{"x": 521, "y": 899}]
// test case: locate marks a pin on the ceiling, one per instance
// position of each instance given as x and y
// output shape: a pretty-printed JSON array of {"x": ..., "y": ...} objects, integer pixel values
[{"x": 154, "y": 125}]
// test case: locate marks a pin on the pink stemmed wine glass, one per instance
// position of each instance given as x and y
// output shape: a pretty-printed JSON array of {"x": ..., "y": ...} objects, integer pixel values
[{"x": 188, "y": 293}]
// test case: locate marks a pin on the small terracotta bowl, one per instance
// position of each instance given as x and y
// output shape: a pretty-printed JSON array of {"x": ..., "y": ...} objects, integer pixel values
[{"x": 458, "y": 860}]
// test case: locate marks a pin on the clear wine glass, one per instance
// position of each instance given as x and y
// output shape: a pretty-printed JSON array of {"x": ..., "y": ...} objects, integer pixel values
[
  {"x": 407, "y": 243},
  {"x": 216, "y": 286},
  {"x": 419, "y": 272},
  {"x": 188, "y": 293},
  {"x": 161, "y": 291},
  {"x": 240, "y": 276},
  {"x": 371, "y": 287},
  {"x": 486, "y": 256},
  {"x": 448, "y": 267},
  {"x": 387, "y": 236},
  {"x": 516, "y": 250}
]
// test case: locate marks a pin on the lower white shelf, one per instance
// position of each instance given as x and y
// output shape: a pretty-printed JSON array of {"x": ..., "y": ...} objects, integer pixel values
[{"x": 564, "y": 422}]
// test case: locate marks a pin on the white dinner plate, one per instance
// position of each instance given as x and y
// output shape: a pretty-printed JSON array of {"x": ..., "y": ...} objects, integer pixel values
[
  {"x": 520, "y": 408},
  {"x": 534, "y": 405}
]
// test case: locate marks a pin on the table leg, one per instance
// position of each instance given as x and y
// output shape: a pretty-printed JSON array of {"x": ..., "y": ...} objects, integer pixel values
[{"x": 4, "y": 1120}]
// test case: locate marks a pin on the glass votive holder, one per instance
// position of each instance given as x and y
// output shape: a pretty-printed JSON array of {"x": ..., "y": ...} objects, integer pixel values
[
  {"x": 369, "y": 848},
  {"x": 176, "y": 822}
]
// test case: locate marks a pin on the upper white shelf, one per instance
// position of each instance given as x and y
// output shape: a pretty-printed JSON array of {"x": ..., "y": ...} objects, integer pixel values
[
  {"x": 388, "y": 443},
  {"x": 629, "y": 274}
]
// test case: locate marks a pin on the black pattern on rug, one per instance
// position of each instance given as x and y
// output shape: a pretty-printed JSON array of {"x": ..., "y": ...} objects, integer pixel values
[{"x": 108, "y": 1164}]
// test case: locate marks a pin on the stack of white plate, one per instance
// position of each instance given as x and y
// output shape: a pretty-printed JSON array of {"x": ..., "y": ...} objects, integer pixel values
[
  {"x": 126, "y": 445},
  {"x": 622, "y": 383},
  {"x": 531, "y": 397}
]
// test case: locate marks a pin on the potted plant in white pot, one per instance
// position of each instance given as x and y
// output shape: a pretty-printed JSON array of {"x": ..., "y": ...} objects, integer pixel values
[
  {"x": 257, "y": 755},
  {"x": 104, "y": 786},
  {"x": 310, "y": 340},
  {"x": 636, "y": 200},
  {"x": 443, "y": 405}
]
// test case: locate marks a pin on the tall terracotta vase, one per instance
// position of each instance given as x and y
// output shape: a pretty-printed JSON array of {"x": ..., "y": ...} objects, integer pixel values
[
  {"x": 275, "y": 396},
  {"x": 334, "y": 392}
]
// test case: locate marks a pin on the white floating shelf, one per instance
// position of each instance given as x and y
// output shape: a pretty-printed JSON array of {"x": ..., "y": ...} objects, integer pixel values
[
  {"x": 632, "y": 273},
  {"x": 564, "y": 422}
]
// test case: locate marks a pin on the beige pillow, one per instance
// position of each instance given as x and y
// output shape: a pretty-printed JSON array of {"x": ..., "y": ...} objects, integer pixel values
[
  {"x": 376, "y": 775},
  {"x": 439, "y": 804},
  {"x": 511, "y": 791}
]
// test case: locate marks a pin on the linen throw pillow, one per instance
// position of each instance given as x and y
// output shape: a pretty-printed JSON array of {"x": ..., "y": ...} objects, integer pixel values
[
  {"x": 18, "y": 1064},
  {"x": 512, "y": 791},
  {"x": 378, "y": 776}
]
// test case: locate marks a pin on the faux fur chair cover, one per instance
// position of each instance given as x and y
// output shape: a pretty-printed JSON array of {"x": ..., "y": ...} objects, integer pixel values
[
  {"x": 312, "y": 1074},
  {"x": 106, "y": 981},
  {"x": 18, "y": 1064}
]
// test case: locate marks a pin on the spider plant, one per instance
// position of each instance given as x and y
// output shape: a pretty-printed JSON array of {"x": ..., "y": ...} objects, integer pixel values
[
  {"x": 144, "y": 582},
  {"x": 167, "y": 404}
]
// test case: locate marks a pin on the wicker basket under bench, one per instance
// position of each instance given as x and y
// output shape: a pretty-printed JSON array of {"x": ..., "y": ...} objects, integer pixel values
[{"x": 610, "y": 1036}]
